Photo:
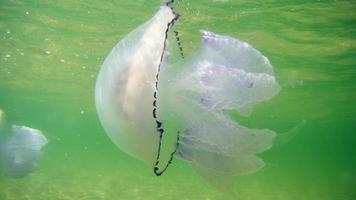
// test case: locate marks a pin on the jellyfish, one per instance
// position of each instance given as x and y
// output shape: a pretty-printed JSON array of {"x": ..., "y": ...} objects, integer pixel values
[
  {"x": 20, "y": 149},
  {"x": 155, "y": 106}
]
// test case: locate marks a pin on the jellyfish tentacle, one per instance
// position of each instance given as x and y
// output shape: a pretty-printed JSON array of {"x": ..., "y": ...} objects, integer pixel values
[{"x": 224, "y": 73}]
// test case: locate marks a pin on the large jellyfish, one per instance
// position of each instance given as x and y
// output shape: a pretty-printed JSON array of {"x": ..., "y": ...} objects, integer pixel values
[
  {"x": 20, "y": 149},
  {"x": 154, "y": 106}
]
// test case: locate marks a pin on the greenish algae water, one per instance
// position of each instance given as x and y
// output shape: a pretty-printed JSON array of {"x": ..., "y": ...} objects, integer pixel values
[{"x": 50, "y": 54}]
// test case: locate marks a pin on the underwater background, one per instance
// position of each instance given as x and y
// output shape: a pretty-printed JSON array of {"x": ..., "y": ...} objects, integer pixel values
[{"x": 51, "y": 52}]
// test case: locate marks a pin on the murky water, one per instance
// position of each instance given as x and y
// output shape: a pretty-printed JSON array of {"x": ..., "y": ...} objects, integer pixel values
[{"x": 50, "y": 54}]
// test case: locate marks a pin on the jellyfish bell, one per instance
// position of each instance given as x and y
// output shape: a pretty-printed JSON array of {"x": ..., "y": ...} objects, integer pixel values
[
  {"x": 20, "y": 150},
  {"x": 126, "y": 84},
  {"x": 23, "y": 150},
  {"x": 153, "y": 105}
]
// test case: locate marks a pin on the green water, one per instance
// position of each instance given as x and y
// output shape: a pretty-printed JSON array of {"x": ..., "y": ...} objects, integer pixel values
[{"x": 50, "y": 54}]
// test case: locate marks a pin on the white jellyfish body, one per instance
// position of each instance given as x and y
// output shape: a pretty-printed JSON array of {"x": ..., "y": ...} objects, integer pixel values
[
  {"x": 20, "y": 150},
  {"x": 126, "y": 84},
  {"x": 141, "y": 91}
]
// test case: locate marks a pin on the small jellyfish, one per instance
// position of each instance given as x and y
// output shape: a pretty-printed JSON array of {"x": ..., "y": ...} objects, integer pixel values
[
  {"x": 20, "y": 149},
  {"x": 154, "y": 106}
]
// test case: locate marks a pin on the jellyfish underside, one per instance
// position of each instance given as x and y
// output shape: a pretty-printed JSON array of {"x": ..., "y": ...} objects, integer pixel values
[
  {"x": 190, "y": 99},
  {"x": 222, "y": 74}
]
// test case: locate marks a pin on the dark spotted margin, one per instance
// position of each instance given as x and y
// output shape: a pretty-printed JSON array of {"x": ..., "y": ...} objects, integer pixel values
[
  {"x": 179, "y": 45},
  {"x": 159, "y": 127}
]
